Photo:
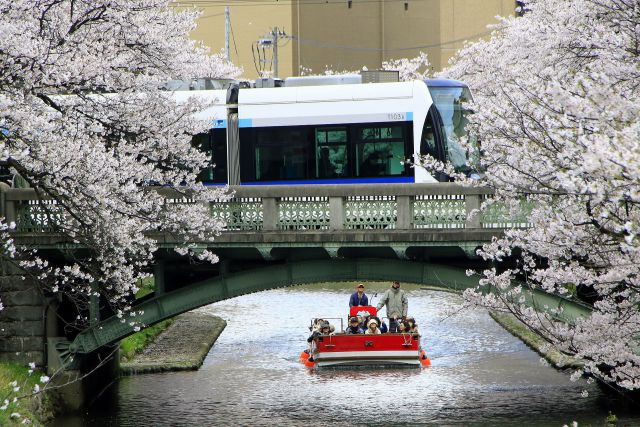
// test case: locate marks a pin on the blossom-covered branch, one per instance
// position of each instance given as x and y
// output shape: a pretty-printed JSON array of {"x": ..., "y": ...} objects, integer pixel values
[
  {"x": 86, "y": 123},
  {"x": 556, "y": 111}
]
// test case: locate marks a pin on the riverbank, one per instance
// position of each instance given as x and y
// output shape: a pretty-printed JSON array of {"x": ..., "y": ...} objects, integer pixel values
[
  {"x": 481, "y": 374},
  {"x": 537, "y": 344},
  {"x": 182, "y": 346},
  {"x": 36, "y": 408},
  {"x": 136, "y": 343},
  {"x": 522, "y": 332}
]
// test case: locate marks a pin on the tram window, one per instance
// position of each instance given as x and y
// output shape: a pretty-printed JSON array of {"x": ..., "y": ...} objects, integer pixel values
[
  {"x": 450, "y": 102},
  {"x": 281, "y": 154},
  {"x": 214, "y": 144},
  {"x": 331, "y": 152},
  {"x": 380, "y": 151}
]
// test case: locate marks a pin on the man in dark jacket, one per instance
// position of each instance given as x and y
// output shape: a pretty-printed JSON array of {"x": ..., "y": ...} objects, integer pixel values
[
  {"x": 354, "y": 327},
  {"x": 359, "y": 297}
]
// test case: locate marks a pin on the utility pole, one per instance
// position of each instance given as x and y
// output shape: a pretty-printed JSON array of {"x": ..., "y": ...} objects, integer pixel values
[
  {"x": 270, "y": 40},
  {"x": 227, "y": 31},
  {"x": 275, "y": 34}
]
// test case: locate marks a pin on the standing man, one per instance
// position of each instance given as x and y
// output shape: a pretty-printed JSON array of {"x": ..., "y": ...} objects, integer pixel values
[
  {"x": 359, "y": 297},
  {"x": 397, "y": 305}
]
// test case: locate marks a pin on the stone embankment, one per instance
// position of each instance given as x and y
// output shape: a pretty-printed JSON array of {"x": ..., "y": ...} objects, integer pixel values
[
  {"x": 537, "y": 344},
  {"x": 181, "y": 347}
]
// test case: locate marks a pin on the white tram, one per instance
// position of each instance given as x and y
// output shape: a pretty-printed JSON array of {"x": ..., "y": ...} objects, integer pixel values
[{"x": 332, "y": 130}]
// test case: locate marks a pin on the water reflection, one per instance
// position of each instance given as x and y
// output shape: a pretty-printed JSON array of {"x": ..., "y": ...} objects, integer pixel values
[{"x": 480, "y": 374}]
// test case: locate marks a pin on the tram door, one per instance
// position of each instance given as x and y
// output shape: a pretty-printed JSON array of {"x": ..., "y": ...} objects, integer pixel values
[{"x": 432, "y": 141}]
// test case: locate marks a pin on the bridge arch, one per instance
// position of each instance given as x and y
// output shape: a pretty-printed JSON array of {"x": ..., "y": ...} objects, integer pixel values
[
  {"x": 161, "y": 307},
  {"x": 164, "y": 306}
]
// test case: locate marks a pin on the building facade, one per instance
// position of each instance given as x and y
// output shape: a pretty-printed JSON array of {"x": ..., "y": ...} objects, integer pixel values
[{"x": 342, "y": 34}]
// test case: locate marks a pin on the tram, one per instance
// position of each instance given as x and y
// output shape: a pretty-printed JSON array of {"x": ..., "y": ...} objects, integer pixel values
[{"x": 332, "y": 130}]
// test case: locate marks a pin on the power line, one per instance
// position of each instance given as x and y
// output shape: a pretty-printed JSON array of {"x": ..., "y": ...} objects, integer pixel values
[
  {"x": 241, "y": 3},
  {"x": 322, "y": 44},
  {"x": 233, "y": 37},
  {"x": 185, "y": 3},
  {"x": 211, "y": 16}
]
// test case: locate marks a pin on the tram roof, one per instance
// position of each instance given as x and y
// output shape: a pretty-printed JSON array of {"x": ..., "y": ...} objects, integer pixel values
[{"x": 444, "y": 83}]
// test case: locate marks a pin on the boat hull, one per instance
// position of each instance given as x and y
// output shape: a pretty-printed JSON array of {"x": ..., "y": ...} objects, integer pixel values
[{"x": 393, "y": 350}]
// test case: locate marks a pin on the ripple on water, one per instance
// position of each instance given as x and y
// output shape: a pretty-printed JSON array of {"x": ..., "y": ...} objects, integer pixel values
[{"x": 481, "y": 375}]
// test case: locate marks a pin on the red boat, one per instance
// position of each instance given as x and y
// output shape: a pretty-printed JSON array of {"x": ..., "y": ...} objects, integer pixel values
[{"x": 389, "y": 349}]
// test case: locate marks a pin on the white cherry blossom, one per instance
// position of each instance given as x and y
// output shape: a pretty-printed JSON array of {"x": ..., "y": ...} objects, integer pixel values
[
  {"x": 557, "y": 113},
  {"x": 84, "y": 121}
]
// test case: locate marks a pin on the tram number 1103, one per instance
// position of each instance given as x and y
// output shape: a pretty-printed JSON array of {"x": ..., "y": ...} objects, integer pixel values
[{"x": 396, "y": 116}]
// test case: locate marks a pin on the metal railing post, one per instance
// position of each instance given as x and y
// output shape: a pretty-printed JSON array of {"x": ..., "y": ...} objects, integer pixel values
[
  {"x": 336, "y": 213},
  {"x": 269, "y": 214},
  {"x": 403, "y": 219},
  {"x": 472, "y": 203}
]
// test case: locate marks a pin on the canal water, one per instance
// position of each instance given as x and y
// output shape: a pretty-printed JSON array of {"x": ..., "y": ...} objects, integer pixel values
[{"x": 480, "y": 375}]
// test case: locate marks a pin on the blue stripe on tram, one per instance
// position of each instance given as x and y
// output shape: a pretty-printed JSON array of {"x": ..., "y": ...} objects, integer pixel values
[
  {"x": 386, "y": 180},
  {"x": 389, "y": 180}
]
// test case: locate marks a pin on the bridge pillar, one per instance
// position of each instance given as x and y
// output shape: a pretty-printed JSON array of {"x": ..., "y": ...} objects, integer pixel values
[
  {"x": 403, "y": 221},
  {"x": 269, "y": 214},
  {"x": 336, "y": 213},
  {"x": 22, "y": 324},
  {"x": 472, "y": 203},
  {"x": 91, "y": 377}
]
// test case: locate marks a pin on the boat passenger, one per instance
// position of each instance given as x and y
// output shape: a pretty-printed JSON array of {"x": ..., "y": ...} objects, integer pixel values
[
  {"x": 397, "y": 305},
  {"x": 372, "y": 328},
  {"x": 326, "y": 328},
  {"x": 362, "y": 322},
  {"x": 382, "y": 325},
  {"x": 316, "y": 325},
  {"x": 314, "y": 335},
  {"x": 359, "y": 298},
  {"x": 404, "y": 327},
  {"x": 354, "y": 327},
  {"x": 413, "y": 326},
  {"x": 319, "y": 329}
]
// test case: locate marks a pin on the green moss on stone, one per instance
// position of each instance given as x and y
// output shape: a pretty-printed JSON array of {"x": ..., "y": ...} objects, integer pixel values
[
  {"x": 137, "y": 342},
  {"x": 534, "y": 341}
]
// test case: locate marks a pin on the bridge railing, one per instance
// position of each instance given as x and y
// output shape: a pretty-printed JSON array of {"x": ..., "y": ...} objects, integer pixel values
[
  {"x": 363, "y": 207},
  {"x": 311, "y": 208}
]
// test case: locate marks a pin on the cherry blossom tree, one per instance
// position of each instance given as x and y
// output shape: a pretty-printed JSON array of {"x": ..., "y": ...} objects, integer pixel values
[
  {"x": 557, "y": 113},
  {"x": 85, "y": 122},
  {"x": 418, "y": 68},
  {"x": 219, "y": 67}
]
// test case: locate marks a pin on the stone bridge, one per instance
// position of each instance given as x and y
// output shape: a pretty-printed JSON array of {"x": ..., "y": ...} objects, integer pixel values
[{"x": 287, "y": 235}]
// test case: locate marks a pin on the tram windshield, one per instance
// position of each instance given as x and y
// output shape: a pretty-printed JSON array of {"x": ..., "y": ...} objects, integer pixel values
[{"x": 449, "y": 98}]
